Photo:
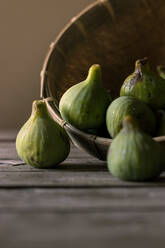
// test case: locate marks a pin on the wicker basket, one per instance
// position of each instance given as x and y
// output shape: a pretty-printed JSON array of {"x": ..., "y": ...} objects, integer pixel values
[{"x": 113, "y": 34}]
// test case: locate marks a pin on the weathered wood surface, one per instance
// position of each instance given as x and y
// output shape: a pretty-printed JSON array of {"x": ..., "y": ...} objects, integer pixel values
[
  {"x": 82, "y": 200},
  {"x": 82, "y": 230},
  {"x": 75, "y": 205},
  {"x": 79, "y": 170}
]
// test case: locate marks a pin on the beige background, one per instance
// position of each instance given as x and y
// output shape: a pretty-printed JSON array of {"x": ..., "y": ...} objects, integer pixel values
[{"x": 27, "y": 27}]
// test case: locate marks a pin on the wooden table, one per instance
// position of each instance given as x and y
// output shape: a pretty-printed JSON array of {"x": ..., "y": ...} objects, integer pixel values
[{"x": 77, "y": 204}]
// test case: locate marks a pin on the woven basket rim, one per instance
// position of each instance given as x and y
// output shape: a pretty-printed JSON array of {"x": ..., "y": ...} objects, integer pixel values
[
  {"x": 56, "y": 115},
  {"x": 43, "y": 94},
  {"x": 59, "y": 36}
]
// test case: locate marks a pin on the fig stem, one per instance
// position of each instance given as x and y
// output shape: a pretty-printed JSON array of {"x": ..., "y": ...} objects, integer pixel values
[
  {"x": 94, "y": 74},
  {"x": 129, "y": 122}
]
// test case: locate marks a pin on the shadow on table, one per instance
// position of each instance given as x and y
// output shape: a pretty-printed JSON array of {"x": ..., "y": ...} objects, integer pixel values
[{"x": 100, "y": 166}]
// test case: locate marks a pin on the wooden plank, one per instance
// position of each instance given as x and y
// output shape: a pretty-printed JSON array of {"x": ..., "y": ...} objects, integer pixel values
[
  {"x": 73, "y": 230},
  {"x": 66, "y": 178},
  {"x": 82, "y": 200},
  {"x": 79, "y": 170},
  {"x": 84, "y": 206},
  {"x": 69, "y": 165},
  {"x": 56, "y": 178}
]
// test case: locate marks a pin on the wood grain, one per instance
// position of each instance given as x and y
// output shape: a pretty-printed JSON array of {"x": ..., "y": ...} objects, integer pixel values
[
  {"x": 88, "y": 229},
  {"x": 81, "y": 201},
  {"x": 79, "y": 170},
  {"x": 75, "y": 205}
]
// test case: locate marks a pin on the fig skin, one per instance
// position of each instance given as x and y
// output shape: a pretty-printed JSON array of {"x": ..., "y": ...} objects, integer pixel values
[
  {"x": 127, "y": 105},
  {"x": 161, "y": 71},
  {"x": 41, "y": 142},
  {"x": 145, "y": 85},
  {"x": 84, "y": 104},
  {"x": 134, "y": 155}
]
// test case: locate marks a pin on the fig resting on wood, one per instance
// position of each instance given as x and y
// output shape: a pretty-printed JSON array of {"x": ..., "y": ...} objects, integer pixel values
[
  {"x": 134, "y": 155},
  {"x": 42, "y": 142}
]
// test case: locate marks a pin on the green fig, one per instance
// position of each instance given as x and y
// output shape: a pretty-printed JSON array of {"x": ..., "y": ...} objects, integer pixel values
[
  {"x": 161, "y": 123},
  {"x": 145, "y": 85},
  {"x": 161, "y": 71},
  {"x": 41, "y": 142},
  {"x": 127, "y": 105},
  {"x": 134, "y": 155},
  {"x": 84, "y": 104}
]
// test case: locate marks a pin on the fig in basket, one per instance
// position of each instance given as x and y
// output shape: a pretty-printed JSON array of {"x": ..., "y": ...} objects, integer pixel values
[
  {"x": 84, "y": 104},
  {"x": 134, "y": 155},
  {"x": 42, "y": 142},
  {"x": 127, "y": 105},
  {"x": 145, "y": 85},
  {"x": 161, "y": 71}
]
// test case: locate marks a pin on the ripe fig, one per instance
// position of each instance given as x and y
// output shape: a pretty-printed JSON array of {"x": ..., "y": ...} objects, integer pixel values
[
  {"x": 41, "y": 142},
  {"x": 127, "y": 105},
  {"x": 84, "y": 104},
  {"x": 134, "y": 155},
  {"x": 145, "y": 85}
]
